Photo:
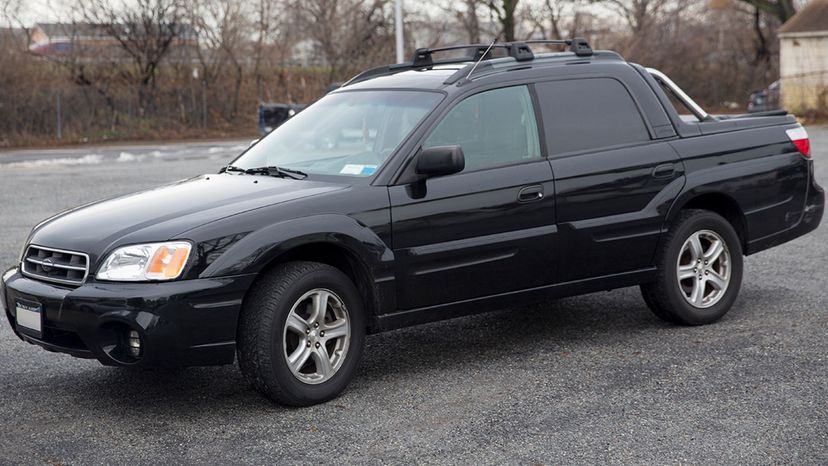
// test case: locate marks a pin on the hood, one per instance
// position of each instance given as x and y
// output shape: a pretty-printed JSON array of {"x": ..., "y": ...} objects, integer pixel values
[{"x": 167, "y": 212}]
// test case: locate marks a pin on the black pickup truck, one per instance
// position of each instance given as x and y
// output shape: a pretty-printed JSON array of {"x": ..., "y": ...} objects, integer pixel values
[{"x": 417, "y": 192}]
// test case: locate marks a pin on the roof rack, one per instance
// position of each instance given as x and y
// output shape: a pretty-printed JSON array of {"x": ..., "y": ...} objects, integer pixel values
[
  {"x": 579, "y": 46},
  {"x": 520, "y": 51}
]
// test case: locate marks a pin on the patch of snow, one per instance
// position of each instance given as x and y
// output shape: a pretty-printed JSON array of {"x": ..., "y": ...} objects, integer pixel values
[{"x": 90, "y": 159}]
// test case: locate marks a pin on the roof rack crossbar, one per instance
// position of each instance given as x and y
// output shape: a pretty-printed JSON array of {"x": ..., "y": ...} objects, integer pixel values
[
  {"x": 520, "y": 51},
  {"x": 579, "y": 46}
]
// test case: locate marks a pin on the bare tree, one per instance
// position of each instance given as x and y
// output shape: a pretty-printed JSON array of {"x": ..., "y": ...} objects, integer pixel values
[
  {"x": 221, "y": 28},
  {"x": 781, "y": 9},
  {"x": 766, "y": 16},
  {"x": 97, "y": 77},
  {"x": 248, "y": 51},
  {"x": 430, "y": 24},
  {"x": 17, "y": 34},
  {"x": 9, "y": 10},
  {"x": 467, "y": 18},
  {"x": 504, "y": 11},
  {"x": 555, "y": 19},
  {"x": 638, "y": 14},
  {"x": 146, "y": 31},
  {"x": 547, "y": 18},
  {"x": 263, "y": 20},
  {"x": 350, "y": 34}
]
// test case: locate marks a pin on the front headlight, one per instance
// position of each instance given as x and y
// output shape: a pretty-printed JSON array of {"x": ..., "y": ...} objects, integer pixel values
[{"x": 145, "y": 262}]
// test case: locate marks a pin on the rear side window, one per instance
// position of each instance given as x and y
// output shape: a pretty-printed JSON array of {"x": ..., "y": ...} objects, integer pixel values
[
  {"x": 588, "y": 114},
  {"x": 493, "y": 128}
]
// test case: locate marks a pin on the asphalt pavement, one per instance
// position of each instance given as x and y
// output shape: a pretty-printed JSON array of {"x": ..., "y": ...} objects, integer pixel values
[{"x": 589, "y": 379}]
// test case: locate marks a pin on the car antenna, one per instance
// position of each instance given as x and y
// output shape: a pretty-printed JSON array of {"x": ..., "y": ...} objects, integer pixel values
[{"x": 480, "y": 59}]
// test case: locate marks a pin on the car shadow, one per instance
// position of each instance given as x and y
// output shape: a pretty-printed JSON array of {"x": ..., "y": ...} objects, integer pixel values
[
  {"x": 560, "y": 326},
  {"x": 554, "y": 327}
]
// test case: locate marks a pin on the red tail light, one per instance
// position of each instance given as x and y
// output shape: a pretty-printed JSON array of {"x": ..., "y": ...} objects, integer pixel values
[{"x": 799, "y": 138}]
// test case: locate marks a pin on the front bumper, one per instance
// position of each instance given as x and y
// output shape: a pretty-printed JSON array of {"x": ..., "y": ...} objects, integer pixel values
[{"x": 180, "y": 323}]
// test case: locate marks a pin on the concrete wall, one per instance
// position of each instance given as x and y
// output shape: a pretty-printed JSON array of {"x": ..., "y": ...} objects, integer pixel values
[{"x": 803, "y": 66}]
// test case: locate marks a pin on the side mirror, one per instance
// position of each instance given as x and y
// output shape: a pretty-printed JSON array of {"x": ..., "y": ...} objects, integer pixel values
[{"x": 440, "y": 161}]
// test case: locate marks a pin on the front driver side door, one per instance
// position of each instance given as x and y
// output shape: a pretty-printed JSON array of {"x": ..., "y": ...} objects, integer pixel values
[{"x": 489, "y": 229}]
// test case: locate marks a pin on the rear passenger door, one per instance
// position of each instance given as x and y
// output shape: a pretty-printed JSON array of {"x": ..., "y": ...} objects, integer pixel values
[
  {"x": 613, "y": 181},
  {"x": 488, "y": 229}
]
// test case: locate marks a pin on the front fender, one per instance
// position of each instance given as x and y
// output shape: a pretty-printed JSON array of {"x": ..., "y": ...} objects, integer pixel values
[{"x": 259, "y": 248}]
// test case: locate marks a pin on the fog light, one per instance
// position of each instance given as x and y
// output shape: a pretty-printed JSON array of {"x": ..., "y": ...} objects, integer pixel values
[{"x": 134, "y": 344}]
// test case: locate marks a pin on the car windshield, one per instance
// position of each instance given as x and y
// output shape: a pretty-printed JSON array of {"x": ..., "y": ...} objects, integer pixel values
[{"x": 344, "y": 133}]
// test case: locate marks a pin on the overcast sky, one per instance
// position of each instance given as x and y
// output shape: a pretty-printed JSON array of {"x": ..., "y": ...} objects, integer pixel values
[{"x": 44, "y": 11}]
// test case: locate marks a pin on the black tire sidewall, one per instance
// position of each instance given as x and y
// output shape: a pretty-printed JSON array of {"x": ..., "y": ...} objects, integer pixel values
[
  {"x": 684, "y": 311},
  {"x": 293, "y": 390}
]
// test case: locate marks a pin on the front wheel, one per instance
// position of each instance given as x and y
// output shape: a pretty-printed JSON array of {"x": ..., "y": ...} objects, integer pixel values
[
  {"x": 699, "y": 270},
  {"x": 301, "y": 333}
]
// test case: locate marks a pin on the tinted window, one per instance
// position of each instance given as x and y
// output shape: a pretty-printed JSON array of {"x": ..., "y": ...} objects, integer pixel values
[
  {"x": 587, "y": 114},
  {"x": 496, "y": 127}
]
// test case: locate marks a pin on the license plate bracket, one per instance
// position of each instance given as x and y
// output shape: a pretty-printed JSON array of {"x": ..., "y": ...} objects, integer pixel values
[{"x": 29, "y": 317}]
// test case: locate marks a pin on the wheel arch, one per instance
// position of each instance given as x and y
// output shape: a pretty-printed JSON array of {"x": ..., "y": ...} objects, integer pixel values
[
  {"x": 338, "y": 257},
  {"x": 717, "y": 202},
  {"x": 336, "y": 240}
]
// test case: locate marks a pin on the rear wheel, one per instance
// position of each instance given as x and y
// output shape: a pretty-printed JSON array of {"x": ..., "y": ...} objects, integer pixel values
[
  {"x": 301, "y": 333},
  {"x": 699, "y": 270}
]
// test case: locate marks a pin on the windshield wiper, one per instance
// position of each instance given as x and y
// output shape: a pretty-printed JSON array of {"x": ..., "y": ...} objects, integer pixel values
[{"x": 271, "y": 170}]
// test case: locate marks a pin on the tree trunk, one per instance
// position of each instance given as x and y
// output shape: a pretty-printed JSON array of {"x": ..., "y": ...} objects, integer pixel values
[
  {"x": 508, "y": 19},
  {"x": 782, "y": 9}
]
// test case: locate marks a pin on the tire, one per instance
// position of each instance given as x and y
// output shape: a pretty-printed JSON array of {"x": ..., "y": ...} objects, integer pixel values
[
  {"x": 679, "y": 295},
  {"x": 266, "y": 339}
]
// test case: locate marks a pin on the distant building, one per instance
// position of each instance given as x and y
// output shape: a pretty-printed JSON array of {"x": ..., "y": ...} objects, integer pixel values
[
  {"x": 803, "y": 59},
  {"x": 62, "y": 39},
  {"x": 95, "y": 43}
]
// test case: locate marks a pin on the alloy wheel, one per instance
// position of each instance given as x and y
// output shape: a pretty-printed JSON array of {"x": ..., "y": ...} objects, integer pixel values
[
  {"x": 316, "y": 336},
  {"x": 703, "y": 268}
]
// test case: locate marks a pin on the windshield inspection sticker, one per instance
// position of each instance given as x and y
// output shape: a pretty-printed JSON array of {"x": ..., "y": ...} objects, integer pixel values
[{"x": 353, "y": 169}]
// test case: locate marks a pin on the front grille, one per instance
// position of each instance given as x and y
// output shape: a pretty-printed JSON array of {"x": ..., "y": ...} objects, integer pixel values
[{"x": 55, "y": 265}]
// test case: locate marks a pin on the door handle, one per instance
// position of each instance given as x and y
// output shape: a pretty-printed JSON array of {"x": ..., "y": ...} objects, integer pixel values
[
  {"x": 530, "y": 193},
  {"x": 665, "y": 170}
]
